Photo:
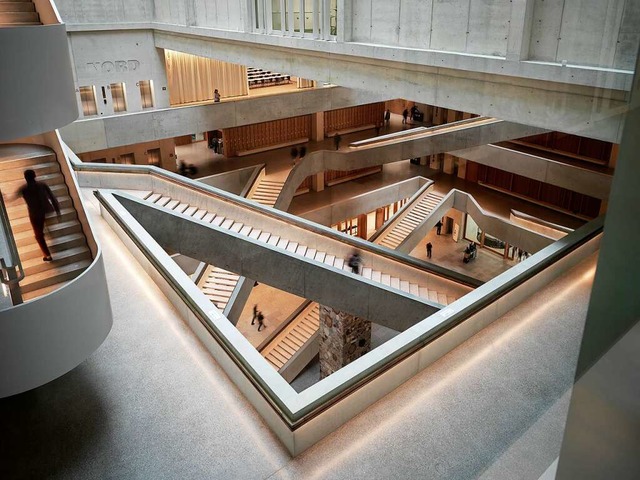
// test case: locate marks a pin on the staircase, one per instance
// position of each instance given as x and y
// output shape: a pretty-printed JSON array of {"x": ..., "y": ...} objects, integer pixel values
[
  {"x": 65, "y": 239},
  {"x": 277, "y": 241},
  {"x": 17, "y": 13},
  {"x": 297, "y": 338},
  {"x": 218, "y": 285},
  {"x": 412, "y": 217},
  {"x": 267, "y": 192}
]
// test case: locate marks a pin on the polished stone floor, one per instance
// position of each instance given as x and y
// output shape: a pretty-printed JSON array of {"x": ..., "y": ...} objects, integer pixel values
[{"x": 151, "y": 403}]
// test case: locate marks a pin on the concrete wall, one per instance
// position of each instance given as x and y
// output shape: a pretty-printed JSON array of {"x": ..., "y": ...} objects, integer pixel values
[
  {"x": 36, "y": 86},
  {"x": 601, "y": 33},
  {"x": 223, "y": 14},
  {"x": 99, "y": 133},
  {"x": 456, "y": 25},
  {"x": 120, "y": 11},
  {"x": 102, "y": 58},
  {"x": 167, "y": 153}
]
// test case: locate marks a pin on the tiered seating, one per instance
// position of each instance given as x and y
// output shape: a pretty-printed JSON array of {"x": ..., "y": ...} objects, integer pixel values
[
  {"x": 412, "y": 217},
  {"x": 14, "y": 13},
  {"x": 264, "y": 78},
  {"x": 277, "y": 241},
  {"x": 64, "y": 238}
]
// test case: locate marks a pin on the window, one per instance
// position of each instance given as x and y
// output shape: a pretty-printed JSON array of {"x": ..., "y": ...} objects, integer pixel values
[
  {"x": 119, "y": 97},
  {"x": 146, "y": 93},
  {"x": 88, "y": 99},
  {"x": 127, "y": 159},
  {"x": 153, "y": 157},
  {"x": 314, "y": 18}
]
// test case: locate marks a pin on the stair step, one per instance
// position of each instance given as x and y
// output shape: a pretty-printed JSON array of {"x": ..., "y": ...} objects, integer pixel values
[
  {"x": 199, "y": 215},
  {"x": 23, "y": 224},
  {"x": 45, "y": 168},
  {"x": 53, "y": 230},
  {"x": 12, "y": 186},
  {"x": 65, "y": 257},
  {"x": 217, "y": 221},
  {"x": 19, "y": 17},
  {"x": 56, "y": 244},
  {"x": 154, "y": 197},
  {"x": 53, "y": 276},
  {"x": 19, "y": 210},
  {"x": 43, "y": 291},
  {"x": 227, "y": 223}
]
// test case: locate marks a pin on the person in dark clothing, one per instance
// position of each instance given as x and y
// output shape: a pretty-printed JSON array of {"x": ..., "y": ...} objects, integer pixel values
[
  {"x": 40, "y": 201},
  {"x": 429, "y": 248},
  {"x": 354, "y": 262},
  {"x": 303, "y": 152},
  {"x": 387, "y": 117},
  {"x": 405, "y": 115},
  {"x": 260, "y": 321},
  {"x": 336, "y": 140},
  {"x": 255, "y": 314},
  {"x": 438, "y": 227}
]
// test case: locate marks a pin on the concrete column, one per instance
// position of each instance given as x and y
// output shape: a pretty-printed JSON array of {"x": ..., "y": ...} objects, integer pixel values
[
  {"x": 462, "y": 168},
  {"x": 449, "y": 164},
  {"x": 317, "y": 182},
  {"x": 317, "y": 126},
  {"x": 343, "y": 339},
  {"x": 520, "y": 30},
  {"x": 345, "y": 16},
  {"x": 601, "y": 435}
]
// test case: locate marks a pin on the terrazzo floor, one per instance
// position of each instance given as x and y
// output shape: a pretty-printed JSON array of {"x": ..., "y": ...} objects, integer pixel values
[{"x": 152, "y": 403}]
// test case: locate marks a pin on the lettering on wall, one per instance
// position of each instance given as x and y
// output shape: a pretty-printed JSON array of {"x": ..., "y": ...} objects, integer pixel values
[{"x": 114, "y": 66}]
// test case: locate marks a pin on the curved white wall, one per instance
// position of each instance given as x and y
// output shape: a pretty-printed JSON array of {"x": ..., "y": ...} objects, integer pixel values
[
  {"x": 37, "y": 92},
  {"x": 45, "y": 338}
]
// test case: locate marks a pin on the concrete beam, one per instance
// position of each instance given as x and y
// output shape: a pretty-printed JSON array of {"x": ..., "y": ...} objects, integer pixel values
[
  {"x": 571, "y": 177},
  {"x": 279, "y": 268},
  {"x": 444, "y": 139},
  {"x": 114, "y": 131},
  {"x": 573, "y": 99}
]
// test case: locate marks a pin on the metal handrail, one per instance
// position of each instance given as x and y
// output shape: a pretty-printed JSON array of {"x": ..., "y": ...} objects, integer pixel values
[{"x": 12, "y": 273}]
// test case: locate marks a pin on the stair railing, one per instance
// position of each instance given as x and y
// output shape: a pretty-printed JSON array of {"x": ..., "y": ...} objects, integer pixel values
[{"x": 11, "y": 272}]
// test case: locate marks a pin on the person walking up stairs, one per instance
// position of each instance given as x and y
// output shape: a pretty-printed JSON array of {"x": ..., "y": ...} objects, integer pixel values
[{"x": 68, "y": 252}]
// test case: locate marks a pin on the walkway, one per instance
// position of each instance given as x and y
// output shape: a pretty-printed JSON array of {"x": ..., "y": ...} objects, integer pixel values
[{"x": 152, "y": 403}]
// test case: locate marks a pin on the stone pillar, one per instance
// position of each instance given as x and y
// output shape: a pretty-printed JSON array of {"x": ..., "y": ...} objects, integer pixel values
[{"x": 343, "y": 338}]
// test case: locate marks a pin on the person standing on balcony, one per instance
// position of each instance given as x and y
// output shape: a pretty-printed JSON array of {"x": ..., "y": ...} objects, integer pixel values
[
  {"x": 216, "y": 95},
  {"x": 40, "y": 201}
]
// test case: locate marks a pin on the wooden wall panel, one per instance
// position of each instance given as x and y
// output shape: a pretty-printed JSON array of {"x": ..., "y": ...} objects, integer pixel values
[
  {"x": 261, "y": 135},
  {"x": 539, "y": 192},
  {"x": 573, "y": 146},
  {"x": 353, "y": 117}
]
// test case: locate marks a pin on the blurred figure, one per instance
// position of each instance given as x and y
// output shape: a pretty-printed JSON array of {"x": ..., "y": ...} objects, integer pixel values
[
  {"x": 387, "y": 117},
  {"x": 354, "y": 262},
  {"x": 260, "y": 321},
  {"x": 255, "y": 314},
  {"x": 40, "y": 201},
  {"x": 336, "y": 140},
  {"x": 429, "y": 249},
  {"x": 216, "y": 95}
]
